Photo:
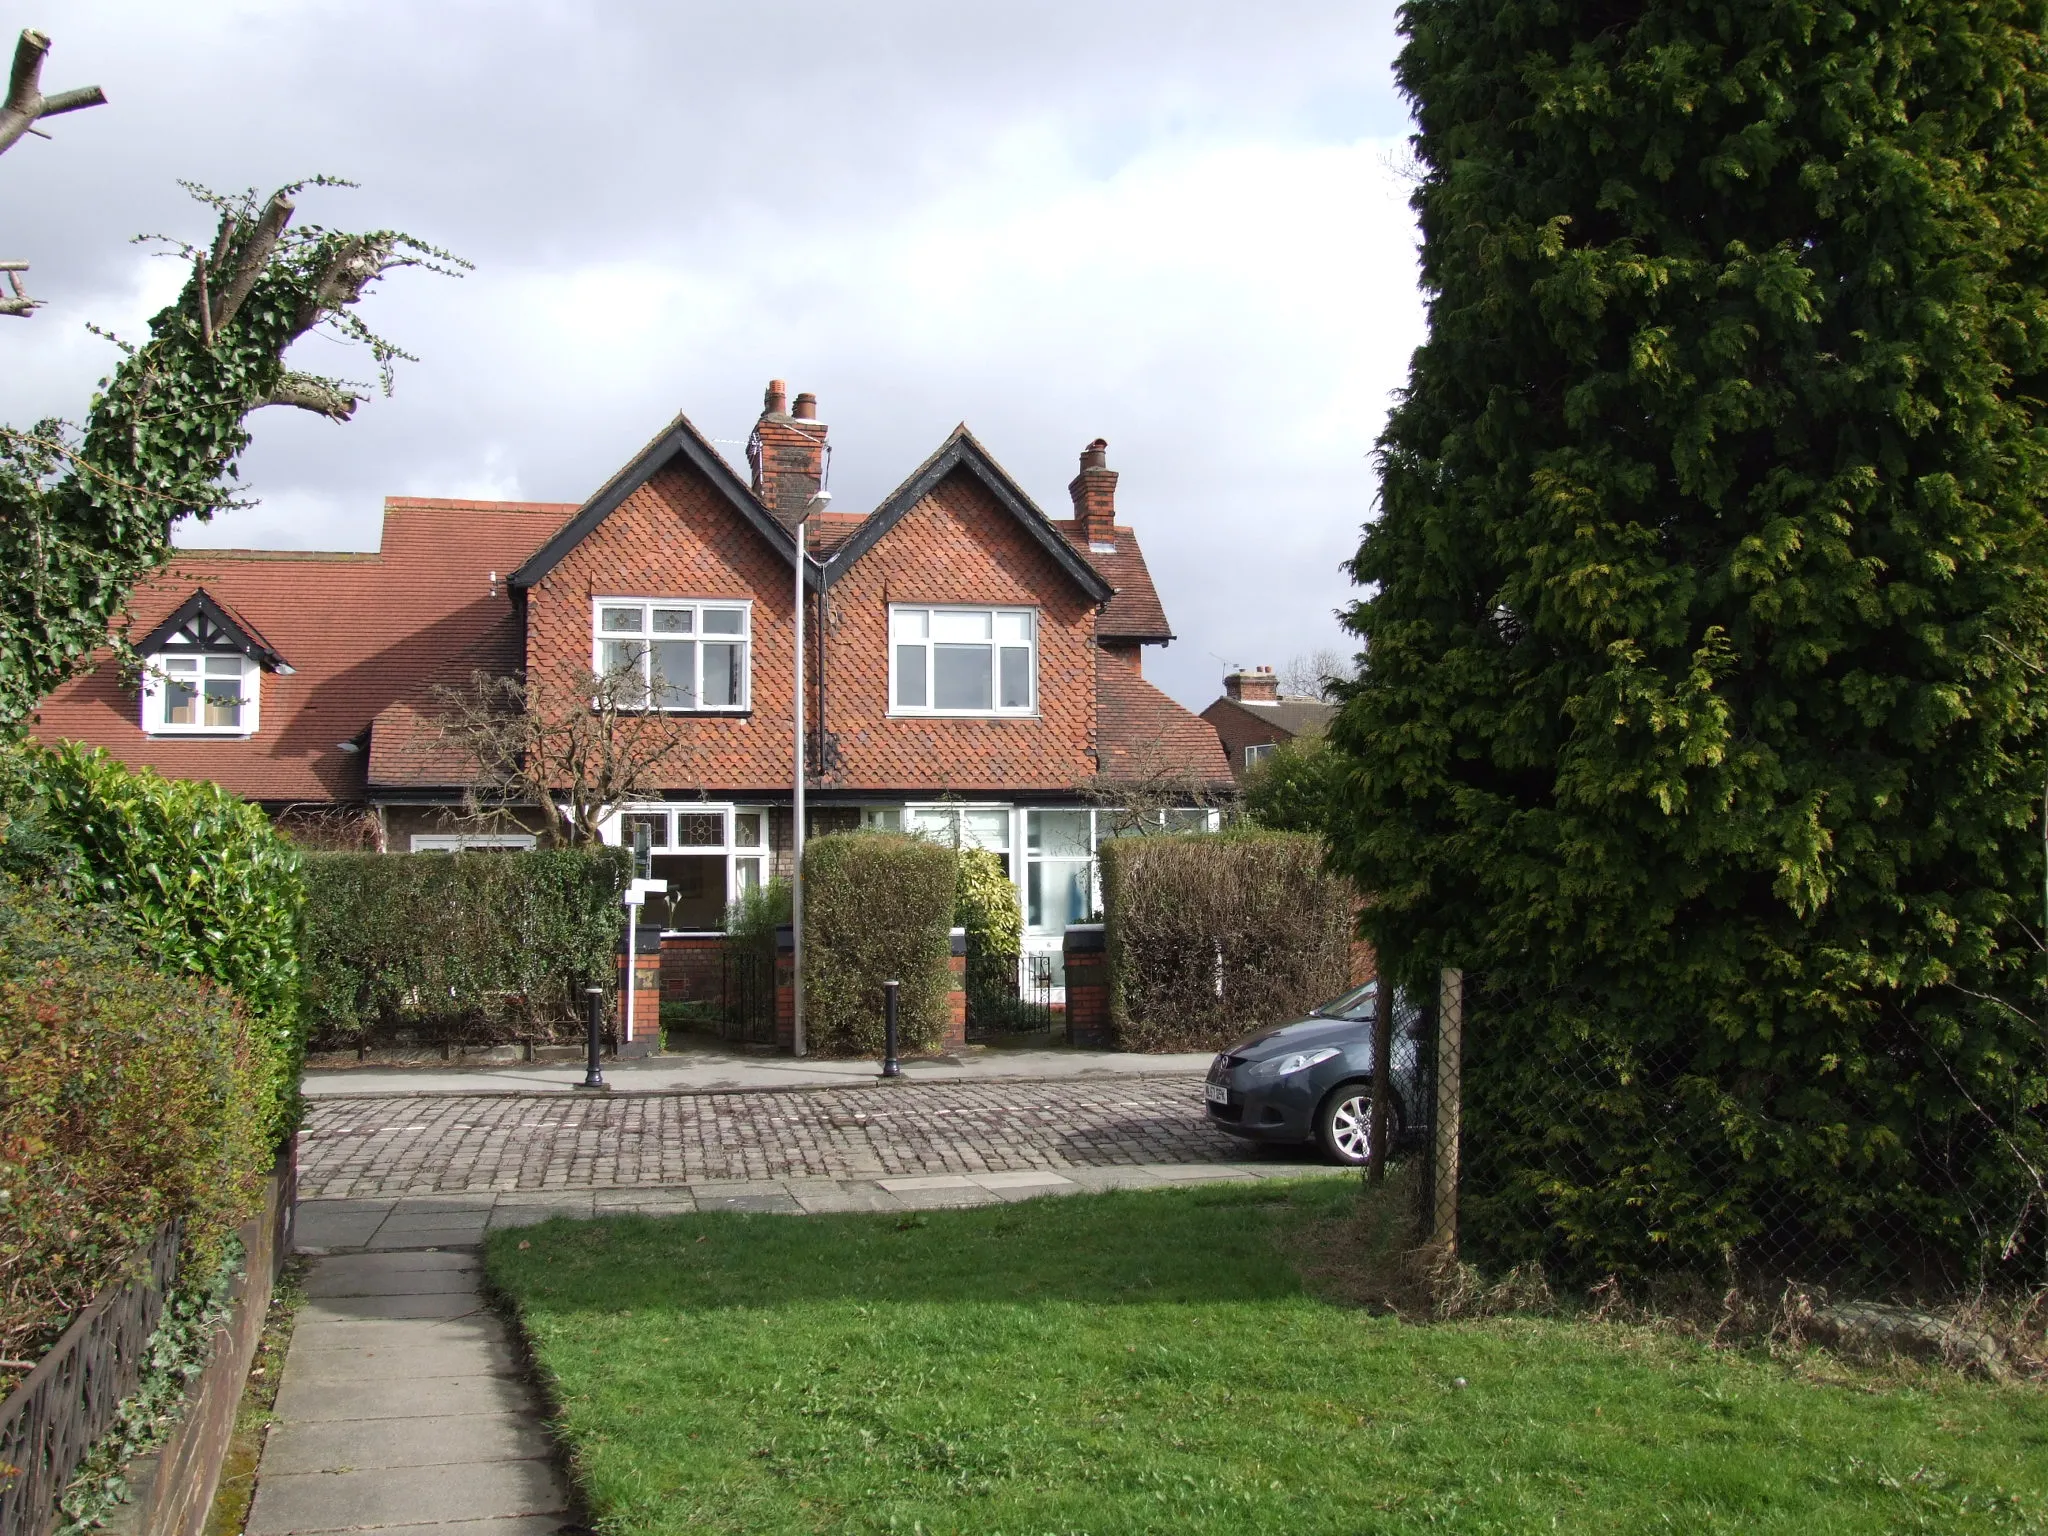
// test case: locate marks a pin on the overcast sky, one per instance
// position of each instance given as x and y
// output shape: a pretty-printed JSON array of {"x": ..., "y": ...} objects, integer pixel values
[{"x": 1176, "y": 225}]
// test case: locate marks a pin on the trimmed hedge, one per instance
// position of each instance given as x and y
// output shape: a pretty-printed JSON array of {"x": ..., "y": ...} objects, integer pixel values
[
  {"x": 130, "y": 1095},
  {"x": 1214, "y": 935},
  {"x": 469, "y": 946},
  {"x": 877, "y": 906},
  {"x": 202, "y": 880}
]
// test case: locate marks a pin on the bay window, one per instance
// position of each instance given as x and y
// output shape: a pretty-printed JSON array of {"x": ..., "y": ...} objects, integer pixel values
[
  {"x": 672, "y": 654},
  {"x": 963, "y": 661}
]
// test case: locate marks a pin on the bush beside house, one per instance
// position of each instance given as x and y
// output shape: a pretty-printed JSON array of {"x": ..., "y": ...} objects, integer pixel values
[
  {"x": 1212, "y": 935},
  {"x": 466, "y": 946},
  {"x": 131, "y": 1095},
  {"x": 877, "y": 907}
]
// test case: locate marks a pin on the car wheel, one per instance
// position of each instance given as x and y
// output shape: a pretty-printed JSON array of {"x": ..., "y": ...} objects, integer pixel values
[{"x": 1344, "y": 1124}]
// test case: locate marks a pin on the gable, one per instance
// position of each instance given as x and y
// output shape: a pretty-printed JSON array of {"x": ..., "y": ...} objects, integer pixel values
[
  {"x": 961, "y": 453},
  {"x": 679, "y": 439},
  {"x": 201, "y": 623}
]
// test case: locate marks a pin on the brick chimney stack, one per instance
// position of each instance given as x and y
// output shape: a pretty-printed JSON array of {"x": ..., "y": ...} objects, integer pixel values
[
  {"x": 788, "y": 452},
  {"x": 1094, "y": 493},
  {"x": 1257, "y": 685}
]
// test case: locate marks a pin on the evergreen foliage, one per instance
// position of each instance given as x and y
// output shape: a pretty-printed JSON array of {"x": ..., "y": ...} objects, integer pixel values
[
  {"x": 1292, "y": 788},
  {"x": 986, "y": 909},
  {"x": 462, "y": 946},
  {"x": 202, "y": 882},
  {"x": 1707, "y": 621},
  {"x": 877, "y": 906}
]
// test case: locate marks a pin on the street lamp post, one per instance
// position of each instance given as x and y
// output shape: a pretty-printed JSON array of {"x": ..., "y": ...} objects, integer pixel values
[{"x": 796, "y": 868}]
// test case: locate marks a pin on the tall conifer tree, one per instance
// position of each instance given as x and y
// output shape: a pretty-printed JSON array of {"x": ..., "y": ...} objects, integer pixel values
[{"x": 1707, "y": 616}]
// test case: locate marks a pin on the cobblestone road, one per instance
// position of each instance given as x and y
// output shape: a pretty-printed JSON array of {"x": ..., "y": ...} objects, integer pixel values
[{"x": 358, "y": 1147}]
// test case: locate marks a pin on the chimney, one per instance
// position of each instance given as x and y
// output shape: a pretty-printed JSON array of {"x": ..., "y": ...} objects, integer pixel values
[
  {"x": 1094, "y": 493},
  {"x": 1255, "y": 685},
  {"x": 788, "y": 452}
]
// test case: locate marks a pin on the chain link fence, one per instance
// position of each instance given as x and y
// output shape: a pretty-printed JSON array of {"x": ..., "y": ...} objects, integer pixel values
[{"x": 1591, "y": 1160}]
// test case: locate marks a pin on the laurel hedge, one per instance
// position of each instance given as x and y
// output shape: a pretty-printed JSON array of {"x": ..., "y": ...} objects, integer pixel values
[
  {"x": 1212, "y": 935},
  {"x": 475, "y": 947},
  {"x": 131, "y": 1095},
  {"x": 877, "y": 906},
  {"x": 202, "y": 881}
]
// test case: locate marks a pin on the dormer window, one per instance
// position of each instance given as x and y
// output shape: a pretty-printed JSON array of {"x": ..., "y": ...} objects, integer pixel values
[
  {"x": 200, "y": 695},
  {"x": 202, "y": 672}
]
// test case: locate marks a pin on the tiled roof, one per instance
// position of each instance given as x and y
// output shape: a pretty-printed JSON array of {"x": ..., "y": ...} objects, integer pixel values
[
  {"x": 1295, "y": 716},
  {"x": 1135, "y": 612},
  {"x": 361, "y": 631},
  {"x": 1141, "y": 734}
]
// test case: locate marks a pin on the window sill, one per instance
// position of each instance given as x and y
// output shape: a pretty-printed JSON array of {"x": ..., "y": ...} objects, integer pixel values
[
  {"x": 159, "y": 733},
  {"x": 690, "y": 714},
  {"x": 964, "y": 714}
]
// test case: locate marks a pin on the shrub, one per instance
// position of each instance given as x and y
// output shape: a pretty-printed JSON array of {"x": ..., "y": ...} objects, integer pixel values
[
  {"x": 1212, "y": 935},
  {"x": 130, "y": 1095},
  {"x": 1293, "y": 788},
  {"x": 202, "y": 880},
  {"x": 877, "y": 907},
  {"x": 751, "y": 921},
  {"x": 469, "y": 945},
  {"x": 985, "y": 905}
]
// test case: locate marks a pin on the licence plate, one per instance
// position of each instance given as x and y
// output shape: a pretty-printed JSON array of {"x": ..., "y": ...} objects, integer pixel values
[{"x": 1217, "y": 1093}]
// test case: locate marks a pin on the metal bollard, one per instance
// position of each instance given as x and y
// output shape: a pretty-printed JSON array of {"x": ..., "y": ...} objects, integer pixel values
[
  {"x": 593, "y": 1074},
  {"x": 890, "y": 1068}
]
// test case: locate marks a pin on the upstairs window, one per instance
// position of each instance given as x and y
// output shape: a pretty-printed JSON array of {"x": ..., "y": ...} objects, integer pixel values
[
  {"x": 1257, "y": 753},
  {"x": 963, "y": 661},
  {"x": 199, "y": 694},
  {"x": 676, "y": 655}
]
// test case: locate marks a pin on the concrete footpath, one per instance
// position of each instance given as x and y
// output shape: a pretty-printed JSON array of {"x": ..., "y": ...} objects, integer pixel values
[
  {"x": 712, "y": 1068},
  {"x": 403, "y": 1410}
]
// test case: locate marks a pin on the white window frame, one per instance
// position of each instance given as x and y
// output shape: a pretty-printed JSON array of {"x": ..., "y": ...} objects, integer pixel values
[
  {"x": 762, "y": 854},
  {"x": 1258, "y": 751},
  {"x": 463, "y": 842},
  {"x": 156, "y": 693},
  {"x": 744, "y": 639},
  {"x": 998, "y": 710}
]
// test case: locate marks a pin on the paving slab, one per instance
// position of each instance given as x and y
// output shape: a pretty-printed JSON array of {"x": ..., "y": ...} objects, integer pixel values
[
  {"x": 290, "y": 1503},
  {"x": 397, "y": 1281},
  {"x": 518, "y": 1525},
  {"x": 396, "y": 1333},
  {"x": 418, "y": 1361},
  {"x": 345, "y": 1445},
  {"x": 400, "y": 1396},
  {"x": 459, "y": 1302},
  {"x": 435, "y": 1237}
]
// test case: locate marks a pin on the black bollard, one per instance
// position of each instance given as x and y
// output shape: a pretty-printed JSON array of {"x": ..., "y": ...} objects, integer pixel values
[
  {"x": 593, "y": 1074},
  {"x": 889, "y": 1064}
]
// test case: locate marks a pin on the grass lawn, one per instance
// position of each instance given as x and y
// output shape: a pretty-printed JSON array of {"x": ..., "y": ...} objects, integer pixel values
[{"x": 1152, "y": 1361}]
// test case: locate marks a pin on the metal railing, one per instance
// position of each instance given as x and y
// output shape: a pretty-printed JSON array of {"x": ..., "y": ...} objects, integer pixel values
[
  {"x": 1012, "y": 994},
  {"x": 747, "y": 997},
  {"x": 67, "y": 1403}
]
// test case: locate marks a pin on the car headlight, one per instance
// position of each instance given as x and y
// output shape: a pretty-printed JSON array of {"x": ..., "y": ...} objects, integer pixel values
[{"x": 1301, "y": 1061}]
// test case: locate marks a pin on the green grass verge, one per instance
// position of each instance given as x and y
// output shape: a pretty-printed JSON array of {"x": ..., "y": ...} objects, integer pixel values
[{"x": 1152, "y": 1361}]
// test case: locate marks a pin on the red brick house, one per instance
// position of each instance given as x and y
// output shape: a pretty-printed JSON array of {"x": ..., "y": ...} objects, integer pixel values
[
  {"x": 975, "y": 667},
  {"x": 1253, "y": 717}
]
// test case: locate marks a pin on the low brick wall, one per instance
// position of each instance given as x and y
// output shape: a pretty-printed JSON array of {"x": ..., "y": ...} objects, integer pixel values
[
  {"x": 174, "y": 1485},
  {"x": 646, "y": 981},
  {"x": 1085, "y": 950},
  {"x": 693, "y": 968}
]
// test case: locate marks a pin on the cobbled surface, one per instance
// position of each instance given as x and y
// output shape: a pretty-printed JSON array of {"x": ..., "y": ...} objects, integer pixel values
[{"x": 457, "y": 1144}]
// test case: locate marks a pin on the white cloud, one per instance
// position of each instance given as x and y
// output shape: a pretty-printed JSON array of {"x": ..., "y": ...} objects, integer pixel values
[{"x": 1170, "y": 225}]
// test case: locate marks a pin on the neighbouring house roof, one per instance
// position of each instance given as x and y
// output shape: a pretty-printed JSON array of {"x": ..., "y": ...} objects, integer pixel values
[
  {"x": 361, "y": 631},
  {"x": 1141, "y": 734},
  {"x": 961, "y": 451},
  {"x": 1295, "y": 716},
  {"x": 678, "y": 439}
]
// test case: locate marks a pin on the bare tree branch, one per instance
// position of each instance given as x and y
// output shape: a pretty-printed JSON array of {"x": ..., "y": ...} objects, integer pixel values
[
  {"x": 25, "y": 100},
  {"x": 573, "y": 748},
  {"x": 19, "y": 303},
  {"x": 254, "y": 258},
  {"x": 316, "y": 395}
]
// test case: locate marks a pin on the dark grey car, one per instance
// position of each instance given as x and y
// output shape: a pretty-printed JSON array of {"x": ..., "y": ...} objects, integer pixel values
[{"x": 1312, "y": 1080}]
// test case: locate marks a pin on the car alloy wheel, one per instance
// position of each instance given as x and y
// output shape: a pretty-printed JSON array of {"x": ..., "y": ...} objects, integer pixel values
[{"x": 1344, "y": 1126}]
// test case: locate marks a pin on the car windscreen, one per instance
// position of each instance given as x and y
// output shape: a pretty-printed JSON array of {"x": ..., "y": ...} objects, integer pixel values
[{"x": 1355, "y": 1005}]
